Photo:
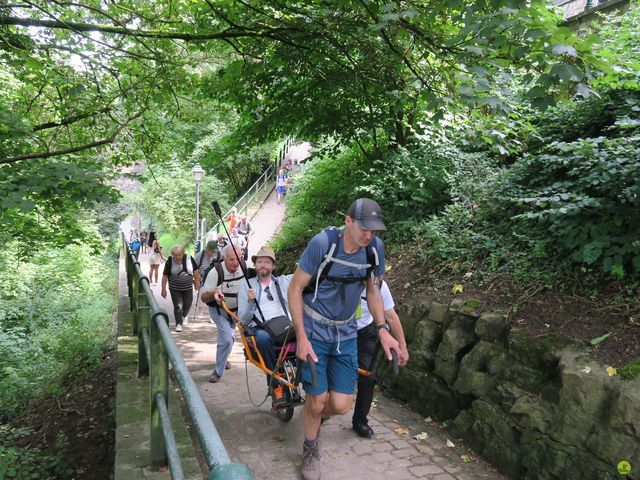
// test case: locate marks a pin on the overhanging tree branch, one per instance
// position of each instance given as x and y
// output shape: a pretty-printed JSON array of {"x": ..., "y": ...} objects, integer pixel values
[
  {"x": 88, "y": 27},
  {"x": 56, "y": 153}
]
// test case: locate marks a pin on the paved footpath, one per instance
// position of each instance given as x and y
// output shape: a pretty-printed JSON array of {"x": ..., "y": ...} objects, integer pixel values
[{"x": 272, "y": 448}]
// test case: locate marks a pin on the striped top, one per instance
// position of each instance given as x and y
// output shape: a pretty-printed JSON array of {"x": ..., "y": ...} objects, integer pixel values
[{"x": 180, "y": 274}]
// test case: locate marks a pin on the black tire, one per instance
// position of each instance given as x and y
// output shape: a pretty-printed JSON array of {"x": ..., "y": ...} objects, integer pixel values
[{"x": 286, "y": 413}]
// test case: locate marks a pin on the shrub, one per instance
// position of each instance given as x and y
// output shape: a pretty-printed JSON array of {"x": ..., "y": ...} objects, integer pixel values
[
  {"x": 585, "y": 195},
  {"x": 55, "y": 311}
]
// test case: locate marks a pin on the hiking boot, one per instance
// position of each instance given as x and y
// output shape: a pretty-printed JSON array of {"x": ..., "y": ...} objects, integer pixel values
[
  {"x": 310, "y": 462},
  {"x": 185, "y": 321},
  {"x": 214, "y": 378},
  {"x": 277, "y": 397},
  {"x": 227, "y": 366},
  {"x": 179, "y": 327},
  {"x": 363, "y": 429}
]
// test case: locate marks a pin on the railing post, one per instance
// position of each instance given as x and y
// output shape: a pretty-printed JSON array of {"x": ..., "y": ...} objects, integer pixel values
[
  {"x": 143, "y": 327},
  {"x": 159, "y": 383},
  {"x": 135, "y": 297}
]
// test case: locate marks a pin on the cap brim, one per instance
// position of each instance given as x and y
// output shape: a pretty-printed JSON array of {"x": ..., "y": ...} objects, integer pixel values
[{"x": 376, "y": 225}]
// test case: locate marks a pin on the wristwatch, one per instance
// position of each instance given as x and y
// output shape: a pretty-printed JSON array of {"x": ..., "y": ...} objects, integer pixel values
[{"x": 384, "y": 326}]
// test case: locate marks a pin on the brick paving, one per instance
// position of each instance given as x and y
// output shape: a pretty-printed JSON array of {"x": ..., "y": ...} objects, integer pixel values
[{"x": 272, "y": 448}]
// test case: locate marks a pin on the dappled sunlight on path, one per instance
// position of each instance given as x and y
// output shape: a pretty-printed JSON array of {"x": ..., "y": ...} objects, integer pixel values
[{"x": 271, "y": 448}]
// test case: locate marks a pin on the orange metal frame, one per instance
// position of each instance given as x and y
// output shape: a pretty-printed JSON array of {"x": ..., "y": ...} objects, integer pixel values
[{"x": 257, "y": 359}]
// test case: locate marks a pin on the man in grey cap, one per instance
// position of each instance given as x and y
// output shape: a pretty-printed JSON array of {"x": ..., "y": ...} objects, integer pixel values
[
  {"x": 336, "y": 267},
  {"x": 205, "y": 257},
  {"x": 203, "y": 260}
]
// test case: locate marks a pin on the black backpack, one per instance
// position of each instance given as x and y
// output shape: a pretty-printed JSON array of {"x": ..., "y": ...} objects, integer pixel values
[{"x": 217, "y": 264}]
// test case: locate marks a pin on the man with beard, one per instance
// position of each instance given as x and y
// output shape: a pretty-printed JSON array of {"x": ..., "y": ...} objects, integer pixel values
[{"x": 270, "y": 293}]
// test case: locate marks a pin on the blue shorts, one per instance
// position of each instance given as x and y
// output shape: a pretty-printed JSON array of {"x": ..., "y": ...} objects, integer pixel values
[
  {"x": 337, "y": 372},
  {"x": 281, "y": 190}
]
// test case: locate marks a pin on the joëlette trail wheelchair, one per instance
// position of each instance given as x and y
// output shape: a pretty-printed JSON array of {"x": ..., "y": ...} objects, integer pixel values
[{"x": 287, "y": 372}]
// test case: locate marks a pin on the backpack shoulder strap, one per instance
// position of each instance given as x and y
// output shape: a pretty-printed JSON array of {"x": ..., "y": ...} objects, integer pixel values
[
  {"x": 333, "y": 234},
  {"x": 284, "y": 307},
  {"x": 220, "y": 271}
]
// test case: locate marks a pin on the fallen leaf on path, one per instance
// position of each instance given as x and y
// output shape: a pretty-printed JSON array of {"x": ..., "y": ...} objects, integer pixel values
[
  {"x": 612, "y": 371},
  {"x": 465, "y": 458},
  {"x": 421, "y": 436},
  {"x": 229, "y": 412},
  {"x": 401, "y": 431},
  {"x": 428, "y": 420},
  {"x": 457, "y": 288},
  {"x": 450, "y": 443}
]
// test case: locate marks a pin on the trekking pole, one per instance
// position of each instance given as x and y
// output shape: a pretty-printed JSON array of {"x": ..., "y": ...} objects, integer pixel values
[{"x": 216, "y": 208}]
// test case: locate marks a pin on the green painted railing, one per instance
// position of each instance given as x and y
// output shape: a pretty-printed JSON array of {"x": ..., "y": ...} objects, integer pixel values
[
  {"x": 259, "y": 191},
  {"x": 156, "y": 349}
]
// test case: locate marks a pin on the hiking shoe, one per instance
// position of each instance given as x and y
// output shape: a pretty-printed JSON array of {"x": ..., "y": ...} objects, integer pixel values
[
  {"x": 227, "y": 366},
  {"x": 310, "y": 462},
  {"x": 185, "y": 321},
  {"x": 179, "y": 327},
  {"x": 214, "y": 378},
  {"x": 277, "y": 396}
]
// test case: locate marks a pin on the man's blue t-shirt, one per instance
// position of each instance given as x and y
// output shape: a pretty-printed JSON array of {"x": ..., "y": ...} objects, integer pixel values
[{"x": 329, "y": 301}]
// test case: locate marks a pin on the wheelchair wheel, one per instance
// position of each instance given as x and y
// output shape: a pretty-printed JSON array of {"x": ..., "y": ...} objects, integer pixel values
[{"x": 288, "y": 371}]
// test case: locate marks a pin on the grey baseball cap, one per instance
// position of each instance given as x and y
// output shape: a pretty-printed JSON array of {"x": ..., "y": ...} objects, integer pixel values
[{"x": 367, "y": 213}]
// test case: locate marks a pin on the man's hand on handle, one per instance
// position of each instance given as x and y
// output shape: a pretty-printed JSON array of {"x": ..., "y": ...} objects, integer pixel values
[
  {"x": 304, "y": 348},
  {"x": 388, "y": 343}
]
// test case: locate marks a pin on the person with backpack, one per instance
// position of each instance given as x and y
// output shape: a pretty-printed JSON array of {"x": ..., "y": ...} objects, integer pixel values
[
  {"x": 206, "y": 257},
  {"x": 281, "y": 185},
  {"x": 270, "y": 293},
  {"x": 181, "y": 273},
  {"x": 222, "y": 242},
  {"x": 223, "y": 281},
  {"x": 245, "y": 230},
  {"x": 367, "y": 342},
  {"x": 335, "y": 268}
]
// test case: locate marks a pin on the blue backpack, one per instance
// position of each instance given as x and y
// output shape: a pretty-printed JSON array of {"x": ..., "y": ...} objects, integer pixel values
[{"x": 324, "y": 270}]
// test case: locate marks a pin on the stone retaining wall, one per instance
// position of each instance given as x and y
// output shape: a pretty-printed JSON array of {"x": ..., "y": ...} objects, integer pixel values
[{"x": 536, "y": 408}]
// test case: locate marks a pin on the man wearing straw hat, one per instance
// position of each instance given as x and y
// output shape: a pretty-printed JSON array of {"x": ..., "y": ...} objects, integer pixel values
[{"x": 270, "y": 293}]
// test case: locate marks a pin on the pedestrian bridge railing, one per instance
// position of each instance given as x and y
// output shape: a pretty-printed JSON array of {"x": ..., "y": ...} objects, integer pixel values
[
  {"x": 156, "y": 350},
  {"x": 257, "y": 192}
]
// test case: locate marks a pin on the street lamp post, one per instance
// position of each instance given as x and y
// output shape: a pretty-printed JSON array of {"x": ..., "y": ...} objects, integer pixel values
[{"x": 198, "y": 173}]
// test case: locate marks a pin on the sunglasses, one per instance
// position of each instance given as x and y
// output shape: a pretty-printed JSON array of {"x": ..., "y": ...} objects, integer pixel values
[{"x": 269, "y": 296}]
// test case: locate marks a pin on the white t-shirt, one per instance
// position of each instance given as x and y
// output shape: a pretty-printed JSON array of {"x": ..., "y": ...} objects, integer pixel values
[
  {"x": 270, "y": 308},
  {"x": 365, "y": 318}
]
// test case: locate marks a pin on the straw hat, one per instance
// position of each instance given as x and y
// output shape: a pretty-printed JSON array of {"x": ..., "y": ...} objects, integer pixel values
[{"x": 264, "y": 252}]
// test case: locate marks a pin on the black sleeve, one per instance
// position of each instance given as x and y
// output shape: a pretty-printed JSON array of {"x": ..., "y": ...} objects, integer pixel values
[
  {"x": 193, "y": 263},
  {"x": 167, "y": 268}
]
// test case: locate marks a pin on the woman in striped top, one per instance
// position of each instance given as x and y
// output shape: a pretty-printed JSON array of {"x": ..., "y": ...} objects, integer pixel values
[{"x": 181, "y": 273}]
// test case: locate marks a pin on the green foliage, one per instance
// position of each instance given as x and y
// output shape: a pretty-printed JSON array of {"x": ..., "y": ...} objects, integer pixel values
[
  {"x": 630, "y": 370},
  {"x": 30, "y": 463},
  {"x": 169, "y": 197},
  {"x": 586, "y": 196},
  {"x": 410, "y": 180},
  {"x": 55, "y": 310}
]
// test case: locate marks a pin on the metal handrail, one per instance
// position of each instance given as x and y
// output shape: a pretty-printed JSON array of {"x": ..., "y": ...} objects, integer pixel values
[
  {"x": 242, "y": 204},
  {"x": 156, "y": 349}
]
